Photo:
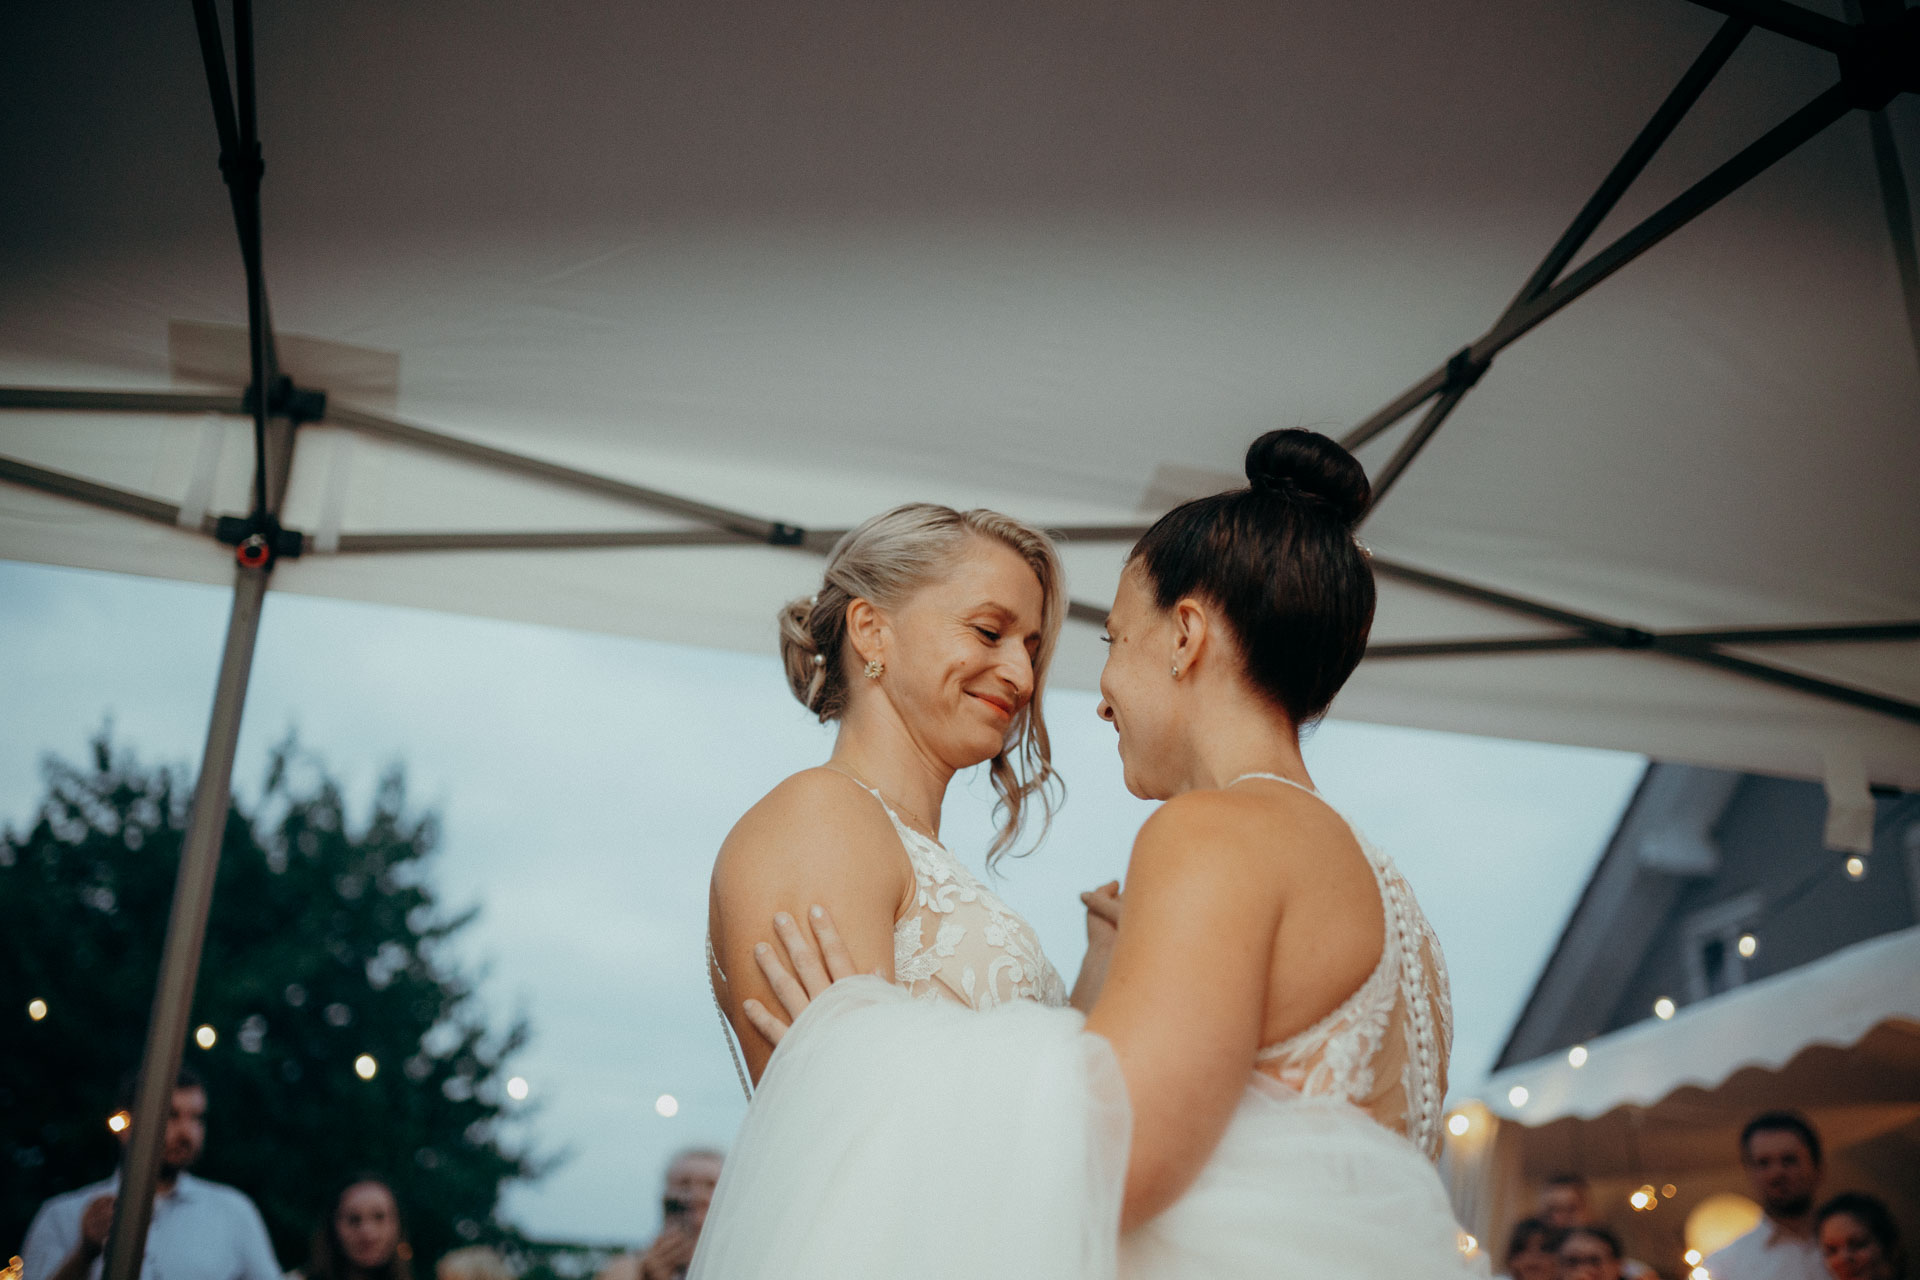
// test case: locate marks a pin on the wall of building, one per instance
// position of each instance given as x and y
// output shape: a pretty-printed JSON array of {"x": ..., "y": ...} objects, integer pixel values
[{"x": 1805, "y": 904}]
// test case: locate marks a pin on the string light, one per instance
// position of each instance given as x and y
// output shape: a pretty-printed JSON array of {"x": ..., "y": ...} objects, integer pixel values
[
  {"x": 1698, "y": 1273},
  {"x": 36, "y": 1009},
  {"x": 1518, "y": 1095},
  {"x": 1577, "y": 1056},
  {"x": 1669, "y": 1191},
  {"x": 1638, "y": 1200},
  {"x": 205, "y": 1037},
  {"x": 517, "y": 1088},
  {"x": 1469, "y": 1245},
  {"x": 1692, "y": 1256},
  {"x": 1458, "y": 1124},
  {"x": 1856, "y": 868},
  {"x": 119, "y": 1121},
  {"x": 364, "y": 1066},
  {"x": 1663, "y": 1008},
  {"x": 667, "y": 1105}
]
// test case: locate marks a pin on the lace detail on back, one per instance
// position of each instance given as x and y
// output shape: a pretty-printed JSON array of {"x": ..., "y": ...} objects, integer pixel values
[
  {"x": 1385, "y": 1048},
  {"x": 982, "y": 953}
]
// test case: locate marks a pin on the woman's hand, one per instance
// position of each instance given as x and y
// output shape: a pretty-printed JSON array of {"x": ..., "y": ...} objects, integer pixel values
[
  {"x": 1103, "y": 928},
  {"x": 1103, "y": 912},
  {"x": 818, "y": 967}
]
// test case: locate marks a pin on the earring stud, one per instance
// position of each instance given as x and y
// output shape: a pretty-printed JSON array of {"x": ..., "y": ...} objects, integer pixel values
[
  {"x": 874, "y": 667},
  {"x": 1175, "y": 668}
]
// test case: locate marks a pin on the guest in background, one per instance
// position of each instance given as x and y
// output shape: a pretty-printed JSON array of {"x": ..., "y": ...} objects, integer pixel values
[
  {"x": 475, "y": 1262},
  {"x": 1591, "y": 1253},
  {"x": 1858, "y": 1238},
  {"x": 691, "y": 1178},
  {"x": 1533, "y": 1250},
  {"x": 362, "y": 1236},
  {"x": 1566, "y": 1202},
  {"x": 199, "y": 1231},
  {"x": 1781, "y": 1154}
]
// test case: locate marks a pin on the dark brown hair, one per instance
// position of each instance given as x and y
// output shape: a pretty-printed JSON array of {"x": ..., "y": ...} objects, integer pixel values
[
  {"x": 329, "y": 1258},
  {"x": 1782, "y": 1122},
  {"x": 1872, "y": 1213},
  {"x": 1280, "y": 560},
  {"x": 1525, "y": 1232},
  {"x": 1603, "y": 1234}
]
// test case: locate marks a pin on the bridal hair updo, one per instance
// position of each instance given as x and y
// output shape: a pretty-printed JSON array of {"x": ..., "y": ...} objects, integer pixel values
[
  {"x": 885, "y": 561},
  {"x": 1280, "y": 560}
]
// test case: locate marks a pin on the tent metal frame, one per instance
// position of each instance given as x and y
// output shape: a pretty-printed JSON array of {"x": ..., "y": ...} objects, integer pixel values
[{"x": 1878, "y": 54}]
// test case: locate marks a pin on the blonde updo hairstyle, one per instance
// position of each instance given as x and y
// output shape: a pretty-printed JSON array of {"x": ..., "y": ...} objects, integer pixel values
[{"x": 885, "y": 561}]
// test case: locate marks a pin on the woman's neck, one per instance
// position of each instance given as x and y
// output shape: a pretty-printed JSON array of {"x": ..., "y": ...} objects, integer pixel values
[
  {"x": 1235, "y": 738},
  {"x": 879, "y": 750}
]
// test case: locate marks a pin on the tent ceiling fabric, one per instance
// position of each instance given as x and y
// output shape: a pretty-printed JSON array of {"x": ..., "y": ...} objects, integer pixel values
[{"x": 807, "y": 265}]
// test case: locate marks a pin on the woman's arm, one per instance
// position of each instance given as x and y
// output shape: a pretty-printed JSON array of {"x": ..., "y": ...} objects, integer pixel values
[
  {"x": 816, "y": 838},
  {"x": 1185, "y": 995},
  {"x": 1103, "y": 925}
]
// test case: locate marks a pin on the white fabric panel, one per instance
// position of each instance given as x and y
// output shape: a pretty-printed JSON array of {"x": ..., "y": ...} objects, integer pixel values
[
  {"x": 1834, "y": 1001},
  {"x": 1019, "y": 256}
]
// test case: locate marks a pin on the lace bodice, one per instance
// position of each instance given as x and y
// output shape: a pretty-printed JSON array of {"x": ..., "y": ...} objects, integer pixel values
[
  {"x": 1385, "y": 1048},
  {"x": 958, "y": 941}
]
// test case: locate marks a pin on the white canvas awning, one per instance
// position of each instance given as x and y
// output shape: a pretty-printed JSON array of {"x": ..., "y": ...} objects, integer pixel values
[
  {"x": 1833, "y": 1002},
  {"x": 1663, "y": 1103},
  {"x": 1061, "y": 262}
]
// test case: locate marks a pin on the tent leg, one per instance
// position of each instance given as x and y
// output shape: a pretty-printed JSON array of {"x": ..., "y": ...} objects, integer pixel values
[{"x": 186, "y": 931}]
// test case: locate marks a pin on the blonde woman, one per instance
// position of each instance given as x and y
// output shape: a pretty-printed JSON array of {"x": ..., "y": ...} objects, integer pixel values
[
  {"x": 1273, "y": 1005},
  {"x": 928, "y": 643}
]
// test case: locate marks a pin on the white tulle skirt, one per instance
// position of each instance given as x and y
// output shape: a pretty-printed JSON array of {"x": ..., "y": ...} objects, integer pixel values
[{"x": 919, "y": 1140}]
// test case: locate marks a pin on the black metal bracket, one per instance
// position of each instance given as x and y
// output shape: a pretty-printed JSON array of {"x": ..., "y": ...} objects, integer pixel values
[
  {"x": 286, "y": 400},
  {"x": 1883, "y": 63},
  {"x": 258, "y": 540},
  {"x": 1463, "y": 370},
  {"x": 786, "y": 535}
]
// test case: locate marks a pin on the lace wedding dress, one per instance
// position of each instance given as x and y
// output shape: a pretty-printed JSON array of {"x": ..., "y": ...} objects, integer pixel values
[{"x": 962, "y": 1124}]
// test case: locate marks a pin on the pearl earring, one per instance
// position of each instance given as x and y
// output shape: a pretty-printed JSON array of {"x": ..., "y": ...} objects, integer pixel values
[
  {"x": 1175, "y": 668},
  {"x": 874, "y": 667}
]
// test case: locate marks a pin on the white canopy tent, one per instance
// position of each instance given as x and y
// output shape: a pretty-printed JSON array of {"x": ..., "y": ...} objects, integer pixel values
[
  {"x": 613, "y": 317},
  {"x": 1664, "y": 1102}
]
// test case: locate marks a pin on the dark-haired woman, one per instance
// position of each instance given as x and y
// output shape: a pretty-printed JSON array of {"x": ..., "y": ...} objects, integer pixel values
[
  {"x": 1858, "y": 1238},
  {"x": 1275, "y": 1001},
  {"x": 1533, "y": 1250},
  {"x": 362, "y": 1236}
]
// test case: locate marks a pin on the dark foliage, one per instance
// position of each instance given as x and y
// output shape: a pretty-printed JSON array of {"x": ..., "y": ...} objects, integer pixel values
[{"x": 325, "y": 943}]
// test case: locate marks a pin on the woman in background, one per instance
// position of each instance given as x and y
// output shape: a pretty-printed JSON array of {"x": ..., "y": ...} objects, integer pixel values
[
  {"x": 1858, "y": 1238},
  {"x": 362, "y": 1236}
]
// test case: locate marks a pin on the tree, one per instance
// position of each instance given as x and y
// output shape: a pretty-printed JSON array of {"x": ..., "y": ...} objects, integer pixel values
[{"x": 326, "y": 943}]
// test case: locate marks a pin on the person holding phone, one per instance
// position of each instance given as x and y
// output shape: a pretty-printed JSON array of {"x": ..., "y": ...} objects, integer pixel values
[{"x": 691, "y": 1178}]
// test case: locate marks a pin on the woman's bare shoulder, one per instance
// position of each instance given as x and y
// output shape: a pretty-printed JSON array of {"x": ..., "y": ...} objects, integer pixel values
[
  {"x": 817, "y": 815},
  {"x": 1272, "y": 826}
]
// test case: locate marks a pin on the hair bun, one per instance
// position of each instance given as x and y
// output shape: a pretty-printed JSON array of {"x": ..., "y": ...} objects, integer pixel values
[{"x": 1314, "y": 467}]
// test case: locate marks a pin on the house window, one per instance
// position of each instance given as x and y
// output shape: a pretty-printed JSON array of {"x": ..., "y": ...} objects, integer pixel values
[{"x": 1711, "y": 936}]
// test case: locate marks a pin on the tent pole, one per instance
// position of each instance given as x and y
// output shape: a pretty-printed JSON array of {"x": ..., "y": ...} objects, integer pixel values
[
  {"x": 1790, "y": 20},
  {"x": 186, "y": 932}
]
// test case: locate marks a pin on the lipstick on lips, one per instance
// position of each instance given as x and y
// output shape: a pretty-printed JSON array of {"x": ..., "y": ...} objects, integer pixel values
[{"x": 1004, "y": 708}]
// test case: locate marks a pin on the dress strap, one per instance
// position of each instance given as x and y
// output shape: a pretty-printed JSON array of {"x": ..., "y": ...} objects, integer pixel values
[
  {"x": 726, "y": 1028},
  {"x": 1274, "y": 777}
]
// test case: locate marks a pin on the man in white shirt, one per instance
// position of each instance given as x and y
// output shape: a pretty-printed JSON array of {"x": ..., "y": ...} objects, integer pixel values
[
  {"x": 1781, "y": 1154},
  {"x": 200, "y": 1230}
]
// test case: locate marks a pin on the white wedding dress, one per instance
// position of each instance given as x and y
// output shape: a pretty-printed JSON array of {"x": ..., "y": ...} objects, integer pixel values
[{"x": 962, "y": 1124}]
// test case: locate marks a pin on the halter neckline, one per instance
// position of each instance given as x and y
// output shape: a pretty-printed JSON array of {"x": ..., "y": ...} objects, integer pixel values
[{"x": 1274, "y": 777}]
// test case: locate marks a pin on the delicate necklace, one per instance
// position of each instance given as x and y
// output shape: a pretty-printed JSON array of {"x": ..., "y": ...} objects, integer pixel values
[{"x": 919, "y": 823}]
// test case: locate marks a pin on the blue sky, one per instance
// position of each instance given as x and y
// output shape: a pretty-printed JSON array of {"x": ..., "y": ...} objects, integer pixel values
[{"x": 585, "y": 782}]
